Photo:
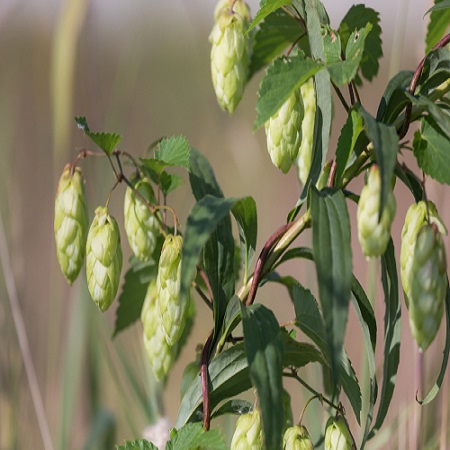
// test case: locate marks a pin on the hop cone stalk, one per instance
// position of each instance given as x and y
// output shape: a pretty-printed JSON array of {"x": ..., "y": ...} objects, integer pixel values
[
  {"x": 337, "y": 435},
  {"x": 374, "y": 235},
  {"x": 171, "y": 311},
  {"x": 230, "y": 53},
  {"x": 160, "y": 354},
  {"x": 305, "y": 153},
  {"x": 297, "y": 438},
  {"x": 284, "y": 132},
  {"x": 71, "y": 223},
  {"x": 415, "y": 218},
  {"x": 428, "y": 285},
  {"x": 248, "y": 434},
  {"x": 141, "y": 226},
  {"x": 104, "y": 258}
]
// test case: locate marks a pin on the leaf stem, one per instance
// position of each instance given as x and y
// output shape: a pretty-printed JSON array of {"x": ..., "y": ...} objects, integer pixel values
[
  {"x": 204, "y": 380},
  {"x": 341, "y": 97}
]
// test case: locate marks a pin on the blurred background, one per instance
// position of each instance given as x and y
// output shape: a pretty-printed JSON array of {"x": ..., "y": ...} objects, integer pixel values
[{"x": 141, "y": 69}]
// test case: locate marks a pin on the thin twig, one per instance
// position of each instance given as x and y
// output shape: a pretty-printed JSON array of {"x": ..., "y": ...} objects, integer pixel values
[
  {"x": 202, "y": 295},
  {"x": 341, "y": 97}
]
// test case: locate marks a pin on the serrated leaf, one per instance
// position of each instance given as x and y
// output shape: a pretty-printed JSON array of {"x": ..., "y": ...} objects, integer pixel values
[
  {"x": 137, "y": 445},
  {"x": 299, "y": 354},
  {"x": 174, "y": 151},
  {"x": 244, "y": 211},
  {"x": 439, "y": 6},
  {"x": 392, "y": 331},
  {"x": 439, "y": 23},
  {"x": 385, "y": 144},
  {"x": 350, "y": 385},
  {"x": 278, "y": 31},
  {"x": 264, "y": 350},
  {"x": 333, "y": 259},
  {"x": 267, "y": 8},
  {"x": 432, "y": 150},
  {"x": 234, "y": 406},
  {"x": 133, "y": 292},
  {"x": 192, "y": 436},
  {"x": 440, "y": 379},
  {"x": 347, "y": 141},
  {"x": 356, "y": 18},
  {"x": 283, "y": 77}
]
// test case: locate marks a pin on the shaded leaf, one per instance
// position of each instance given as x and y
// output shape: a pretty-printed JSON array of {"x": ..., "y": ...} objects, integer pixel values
[
  {"x": 411, "y": 181},
  {"x": 350, "y": 385},
  {"x": 137, "y": 445},
  {"x": 233, "y": 406},
  {"x": 267, "y": 8},
  {"x": 192, "y": 436},
  {"x": 439, "y": 23},
  {"x": 299, "y": 354}
]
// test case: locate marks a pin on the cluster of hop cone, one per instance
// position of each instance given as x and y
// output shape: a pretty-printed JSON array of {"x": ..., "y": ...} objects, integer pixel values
[{"x": 163, "y": 316}]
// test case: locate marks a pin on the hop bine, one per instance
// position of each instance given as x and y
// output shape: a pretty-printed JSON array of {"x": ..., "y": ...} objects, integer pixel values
[
  {"x": 297, "y": 438},
  {"x": 104, "y": 258},
  {"x": 71, "y": 222},
  {"x": 230, "y": 52},
  {"x": 141, "y": 225},
  {"x": 374, "y": 232},
  {"x": 248, "y": 434}
]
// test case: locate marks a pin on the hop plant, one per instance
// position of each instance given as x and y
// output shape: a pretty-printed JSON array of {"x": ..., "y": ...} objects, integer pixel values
[
  {"x": 297, "y": 438},
  {"x": 171, "y": 311},
  {"x": 305, "y": 153},
  {"x": 337, "y": 435},
  {"x": 284, "y": 132},
  {"x": 374, "y": 234},
  {"x": 428, "y": 285},
  {"x": 71, "y": 222},
  {"x": 160, "y": 354},
  {"x": 248, "y": 433},
  {"x": 230, "y": 52},
  {"x": 104, "y": 258},
  {"x": 141, "y": 225},
  {"x": 416, "y": 216}
]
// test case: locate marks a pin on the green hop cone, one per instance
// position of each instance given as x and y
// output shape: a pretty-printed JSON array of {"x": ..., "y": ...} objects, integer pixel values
[
  {"x": 141, "y": 225},
  {"x": 428, "y": 285},
  {"x": 284, "y": 132},
  {"x": 160, "y": 354},
  {"x": 297, "y": 438},
  {"x": 230, "y": 53},
  {"x": 71, "y": 222},
  {"x": 103, "y": 258},
  {"x": 374, "y": 235},
  {"x": 248, "y": 434},
  {"x": 415, "y": 218},
  {"x": 337, "y": 435},
  {"x": 171, "y": 311},
  {"x": 305, "y": 152}
]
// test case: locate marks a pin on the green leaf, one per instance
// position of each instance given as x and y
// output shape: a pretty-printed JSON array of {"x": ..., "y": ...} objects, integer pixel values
[
  {"x": 134, "y": 289},
  {"x": 299, "y": 354},
  {"x": 174, "y": 151},
  {"x": 436, "y": 70},
  {"x": 190, "y": 373},
  {"x": 192, "y": 436},
  {"x": 267, "y": 8},
  {"x": 394, "y": 100},
  {"x": 440, "y": 379},
  {"x": 245, "y": 214},
  {"x": 333, "y": 258},
  {"x": 201, "y": 176},
  {"x": 438, "y": 25},
  {"x": 350, "y": 385},
  {"x": 411, "y": 181},
  {"x": 233, "y": 406},
  {"x": 106, "y": 141},
  {"x": 137, "y": 445},
  {"x": 356, "y": 18},
  {"x": 392, "y": 331},
  {"x": 231, "y": 319},
  {"x": 228, "y": 376},
  {"x": 385, "y": 144},
  {"x": 432, "y": 150},
  {"x": 278, "y": 31},
  {"x": 283, "y": 77},
  {"x": 169, "y": 183},
  {"x": 264, "y": 350},
  {"x": 347, "y": 142},
  {"x": 343, "y": 72}
]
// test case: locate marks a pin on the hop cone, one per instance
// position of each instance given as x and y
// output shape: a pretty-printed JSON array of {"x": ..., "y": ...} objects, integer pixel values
[
  {"x": 141, "y": 226},
  {"x": 284, "y": 132},
  {"x": 230, "y": 53},
  {"x": 305, "y": 152},
  {"x": 337, "y": 435},
  {"x": 160, "y": 354},
  {"x": 248, "y": 434},
  {"x": 171, "y": 312},
  {"x": 374, "y": 235},
  {"x": 428, "y": 285},
  {"x": 104, "y": 258},
  {"x": 415, "y": 218},
  {"x": 297, "y": 438}
]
